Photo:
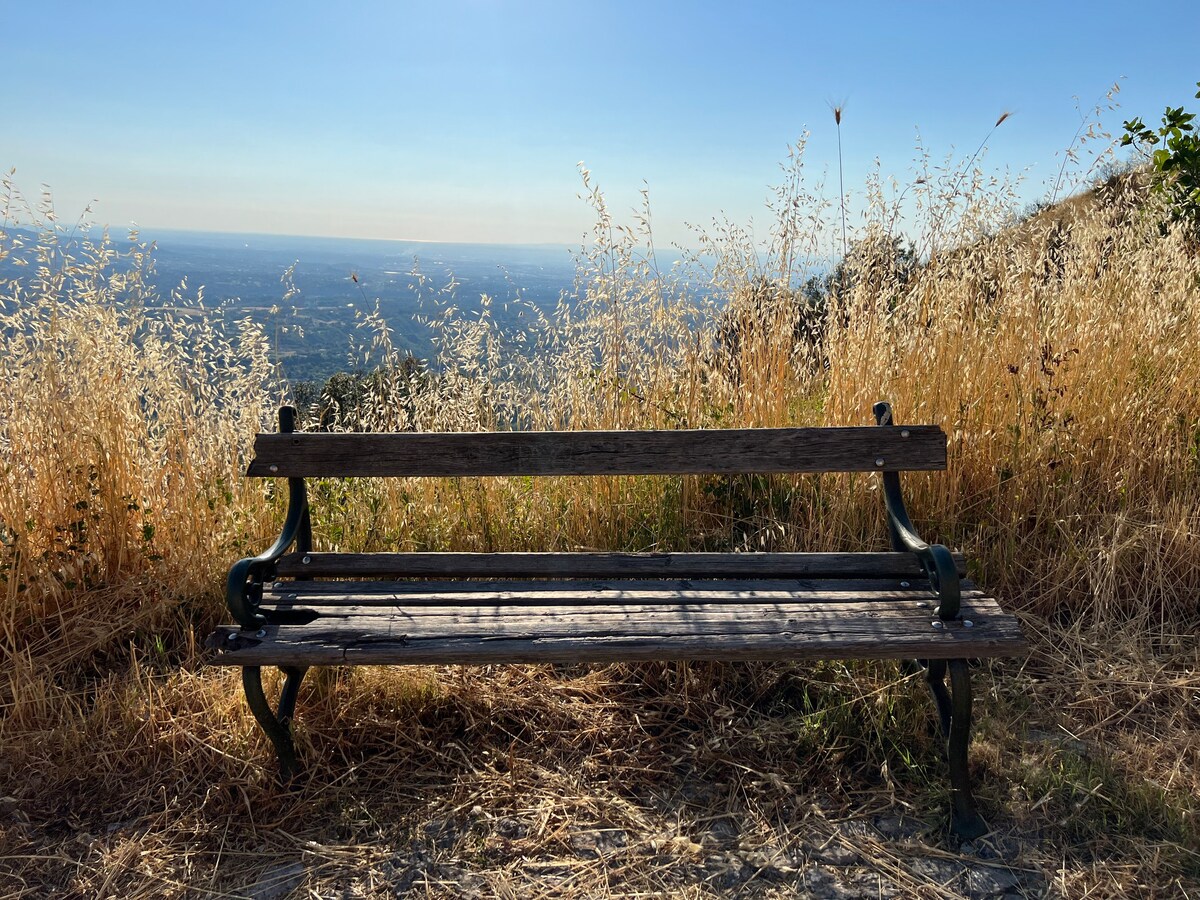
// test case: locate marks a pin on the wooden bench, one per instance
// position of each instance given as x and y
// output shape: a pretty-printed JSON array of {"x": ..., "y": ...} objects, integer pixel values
[{"x": 304, "y": 608}]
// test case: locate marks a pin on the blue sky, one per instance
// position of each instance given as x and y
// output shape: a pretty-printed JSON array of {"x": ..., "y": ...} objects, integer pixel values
[{"x": 465, "y": 119}]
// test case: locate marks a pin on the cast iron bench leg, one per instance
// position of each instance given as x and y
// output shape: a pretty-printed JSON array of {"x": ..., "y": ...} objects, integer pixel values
[
  {"x": 965, "y": 821},
  {"x": 954, "y": 715},
  {"x": 935, "y": 677},
  {"x": 278, "y": 726}
]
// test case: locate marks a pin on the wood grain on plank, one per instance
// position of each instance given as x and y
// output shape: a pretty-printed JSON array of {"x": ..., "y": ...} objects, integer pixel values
[
  {"x": 813, "y": 631},
  {"x": 605, "y": 565},
  {"x": 591, "y": 593},
  {"x": 528, "y": 615},
  {"x": 490, "y": 625},
  {"x": 711, "y": 451}
]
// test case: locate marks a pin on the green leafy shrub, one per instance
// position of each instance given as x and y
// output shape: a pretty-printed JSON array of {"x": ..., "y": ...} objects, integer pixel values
[{"x": 1174, "y": 156}]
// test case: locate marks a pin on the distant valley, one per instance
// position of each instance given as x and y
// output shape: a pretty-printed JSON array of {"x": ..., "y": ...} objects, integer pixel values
[
  {"x": 337, "y": 279},
  {"x": 315, "y": 328}
]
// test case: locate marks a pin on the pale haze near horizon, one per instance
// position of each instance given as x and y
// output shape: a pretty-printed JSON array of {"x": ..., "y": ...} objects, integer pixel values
[{"x": 465, "y": 121}]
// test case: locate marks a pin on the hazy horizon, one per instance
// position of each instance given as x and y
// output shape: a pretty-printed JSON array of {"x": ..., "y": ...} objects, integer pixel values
[{"x": 315, "y": 236}]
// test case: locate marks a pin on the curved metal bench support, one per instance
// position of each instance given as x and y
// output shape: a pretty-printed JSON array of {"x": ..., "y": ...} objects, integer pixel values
[
  {"x": 965, "y": 821},
  {"x": 953, "y": 704},
  {"x": 936, "y": 559},
  {"x": 243, "y": 595},
  {"x": 935, "y": 678},
  {"x": 277, "y": 725},
  {"x": 244, "y": 585},
  {"x": 954, "y": 716}
]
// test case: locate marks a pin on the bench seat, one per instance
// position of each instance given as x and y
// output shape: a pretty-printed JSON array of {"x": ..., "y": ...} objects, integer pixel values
[{"x": 594, "y": 620}]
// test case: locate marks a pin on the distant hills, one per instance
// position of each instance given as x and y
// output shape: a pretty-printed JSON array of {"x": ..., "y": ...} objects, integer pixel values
[{"x": 337, "y": 279}]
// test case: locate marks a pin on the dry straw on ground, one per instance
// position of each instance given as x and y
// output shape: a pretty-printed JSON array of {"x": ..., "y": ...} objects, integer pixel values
[{"x": 1060, "y": 354}]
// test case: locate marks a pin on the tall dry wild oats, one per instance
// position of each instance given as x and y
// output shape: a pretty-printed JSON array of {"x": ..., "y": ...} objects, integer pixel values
[
  {"x": 122, "y": 428},
  {"x": 1059, "y": 355}
]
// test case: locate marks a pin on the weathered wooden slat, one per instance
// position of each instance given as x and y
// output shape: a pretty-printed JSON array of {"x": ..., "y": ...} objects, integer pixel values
[
  {"x": 604, "y": 565},
  {"x": 526, "y": 615},
  {"x": 562, "y": 591},
  {"x": 808, "y": 631},
  {"x": 713, "y": 451},
  {"x": 562, "y": 594},
  {"x": 493, "y": 624}
]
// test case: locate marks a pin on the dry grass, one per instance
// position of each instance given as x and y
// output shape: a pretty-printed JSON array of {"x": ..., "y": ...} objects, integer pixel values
[{"x": 1062, "y": 358}]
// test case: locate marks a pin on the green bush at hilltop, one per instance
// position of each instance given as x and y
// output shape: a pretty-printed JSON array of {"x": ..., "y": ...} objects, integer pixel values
[{"x": 1174, "y": 154}]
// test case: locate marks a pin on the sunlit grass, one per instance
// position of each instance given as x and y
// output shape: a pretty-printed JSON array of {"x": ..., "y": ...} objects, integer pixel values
[{"x": 1060, "y": 354}]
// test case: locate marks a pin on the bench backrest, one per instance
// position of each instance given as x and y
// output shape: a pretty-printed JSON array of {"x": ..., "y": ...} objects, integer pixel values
[{"x": 696, "y": 452}]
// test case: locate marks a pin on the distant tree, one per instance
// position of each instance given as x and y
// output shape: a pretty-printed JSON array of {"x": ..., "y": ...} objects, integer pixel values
[
  {"x": 883, "y": 262},
  {"x": 305, "y": 395},
  {"x": 360, "y": 400}
]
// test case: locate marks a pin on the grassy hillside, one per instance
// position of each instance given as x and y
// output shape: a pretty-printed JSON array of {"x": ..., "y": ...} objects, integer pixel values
[{"x": 1062, "y": 358}]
